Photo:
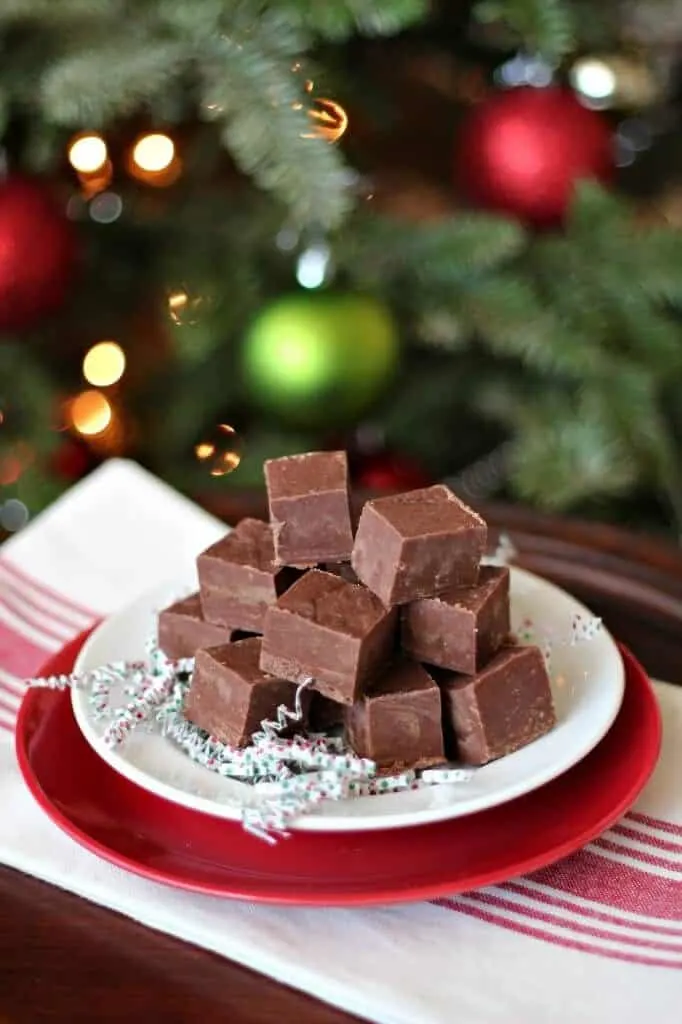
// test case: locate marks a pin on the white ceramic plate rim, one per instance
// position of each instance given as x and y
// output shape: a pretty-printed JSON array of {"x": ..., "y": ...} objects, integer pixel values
[{"x": 588, "y": 714}]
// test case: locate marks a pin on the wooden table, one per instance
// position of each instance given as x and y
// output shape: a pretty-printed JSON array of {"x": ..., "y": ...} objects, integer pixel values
[{"x": 63, "y": 959}]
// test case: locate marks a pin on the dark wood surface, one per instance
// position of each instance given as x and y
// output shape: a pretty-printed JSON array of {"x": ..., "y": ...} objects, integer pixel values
[{"x": 63, "y": 959}]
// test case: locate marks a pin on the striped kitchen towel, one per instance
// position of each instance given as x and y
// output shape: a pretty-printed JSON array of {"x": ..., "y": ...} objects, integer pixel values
[{"x": 595, "y": 938}]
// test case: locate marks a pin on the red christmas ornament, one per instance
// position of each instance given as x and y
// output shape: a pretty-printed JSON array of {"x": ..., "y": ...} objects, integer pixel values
[
  {"x": 388, "y": 473},
  {"x": 522, "y": 151},
  {"x": 71, "y": 460},
  {"x": 37, "y": 250}
]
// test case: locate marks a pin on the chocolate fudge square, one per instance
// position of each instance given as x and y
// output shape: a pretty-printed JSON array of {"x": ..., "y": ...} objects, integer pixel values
[
  {"x": 506, "y": 706},
  {"x": 398, "y": 722},
  {"x": 239, "y": 579},
  {"x": 229, "y": 695},
  {"x": 418, "y": 544},
  {"x": 336, "y": 632},
  {"x": 463, "y": 628},
  {"x": 309, "y": 509},
  {"x": 182, "y": 629}
]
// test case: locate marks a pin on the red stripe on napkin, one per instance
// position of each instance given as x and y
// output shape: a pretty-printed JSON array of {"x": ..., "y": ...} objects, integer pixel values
[
  {"x": 589, "y": 912},
  {"x": 580, "y": 945},
  {"x": 40, "y": 622},
  {"x": 659, "y": 844},
  {"x": 659, "y": 823},
  {"x": 30, "y": 582},
  {"x": 650, "y": 859},
  {"x": 579, "y": 927},
  {"x": 631, "y": 905},
  {"x": 48, "y": 618},
  {"x": 11, "y": 684},
  {"x": 615, "y": 885},
  {"x": 18, "y": 655},
  {"x": 44, "y": 605}
]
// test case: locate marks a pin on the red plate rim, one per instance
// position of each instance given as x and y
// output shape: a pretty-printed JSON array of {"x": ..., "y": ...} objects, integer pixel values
[{"x": 62, "y": 662}]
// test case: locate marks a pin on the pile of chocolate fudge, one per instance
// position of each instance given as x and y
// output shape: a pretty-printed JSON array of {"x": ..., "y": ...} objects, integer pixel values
[{"x": 403, "y": 632}]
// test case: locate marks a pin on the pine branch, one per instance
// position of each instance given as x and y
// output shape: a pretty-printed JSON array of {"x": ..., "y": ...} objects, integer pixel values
[
  {"x": 605, "y": 278},
  {"x": 510, "y": 318},
  {"x": 633, "y": 405},
  {"x": 544, "y": 27},
  {"x": 597, "y": 25},
  {"x": 466, "y": 244},
  {"x": 651, "y": 338},
  {"x": 128, "y": 73},
  {"x": 266, "y": 128},
  {"x": 596, "y": 212},
  {"x": 564, "y": 275},
  {"x": 433, "y": 256},
  {"x": 336, "y": 20},
  {"x": 659, "y": 258},
  {"x": 565, "y": 452},
  {"x": 243, "y": 52},
  {"x": 65, "y": 10}
]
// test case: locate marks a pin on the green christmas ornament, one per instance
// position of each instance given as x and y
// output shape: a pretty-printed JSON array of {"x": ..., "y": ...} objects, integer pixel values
[{"x": 321, "y": 358}]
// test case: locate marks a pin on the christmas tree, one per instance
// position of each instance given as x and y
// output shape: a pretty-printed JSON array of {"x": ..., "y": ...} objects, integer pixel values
[{"x": 443, "y": 236}]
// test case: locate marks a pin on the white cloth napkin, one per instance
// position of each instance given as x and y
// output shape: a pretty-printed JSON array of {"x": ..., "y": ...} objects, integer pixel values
[{"x": 596, "y": 939}]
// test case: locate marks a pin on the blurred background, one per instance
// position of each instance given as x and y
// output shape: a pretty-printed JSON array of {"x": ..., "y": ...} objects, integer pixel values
[{"x": 445, "y": 236}]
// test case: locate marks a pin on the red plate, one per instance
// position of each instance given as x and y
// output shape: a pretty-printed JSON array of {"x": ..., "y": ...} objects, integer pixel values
[{"x": 162, "y": 841}]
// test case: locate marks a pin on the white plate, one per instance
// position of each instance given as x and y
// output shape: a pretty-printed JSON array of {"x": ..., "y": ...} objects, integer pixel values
[{"x": 588, "y": 681}]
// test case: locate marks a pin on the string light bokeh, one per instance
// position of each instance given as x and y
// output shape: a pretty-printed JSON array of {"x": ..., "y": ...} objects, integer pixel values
[
  {"x": 87, "y": 153},
  {"x": 14, "y": 459},
  {"x": 13, "y": 515},
  {"x": 10, "y": 469},
  {"x": 602, "y": 81},
  {"x": 89, "y": 157},
  {"x": 153, "y": 159},
  {"x": 185, "y": 306},
  {"x": 221, "y": 452},
  {"x": 328, "y": 118},
  {"x": 104, "y": 364},
  {"x": 90, "y": 413},
  {"x": 154, "y": 152}
]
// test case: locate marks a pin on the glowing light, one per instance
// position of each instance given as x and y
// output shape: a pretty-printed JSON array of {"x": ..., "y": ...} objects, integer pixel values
[
  {"x": 154, "y": 152},
  {"x": 286, "y": 239},
  {"x": 106, "y": 208},
  {"x": 13, "y": 461},
  {"x": 177, "y": 305},
  {"x": 104, "y": 364},
  {"x": 204, "y": 450},
  {"x": 90, "y": 413},
  {"x": 594, "y": 78},
  {"x": 220, "y": 454},
  {"x": 525, "y": 70},
  {"x": 88, "y": 153},
  {"x": 225, "y": 463},
  {"x": 13, "y": 515},
  {"x": 212, "y": 109},
  {"x": 11, "y": 469},
  {"x": 312, "y": 268},
  {"x": 329, "y": 120},
  {"x": 186, "y": 306}
]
